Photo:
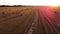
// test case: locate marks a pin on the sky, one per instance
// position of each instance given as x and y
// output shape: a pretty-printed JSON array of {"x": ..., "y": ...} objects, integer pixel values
[{"x": 30, "y": 2}]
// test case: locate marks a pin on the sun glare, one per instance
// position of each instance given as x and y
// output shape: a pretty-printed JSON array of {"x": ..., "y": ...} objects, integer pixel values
[{"x": 53, "y": 3}]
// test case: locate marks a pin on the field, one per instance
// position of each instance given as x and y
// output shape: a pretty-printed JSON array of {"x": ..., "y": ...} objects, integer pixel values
[
  {"x": 29, "y": 20},
  {"x": 14, "y": 20}
]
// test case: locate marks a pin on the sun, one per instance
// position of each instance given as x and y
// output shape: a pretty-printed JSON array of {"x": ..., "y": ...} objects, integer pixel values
[{"x": 53, "y": 3}]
